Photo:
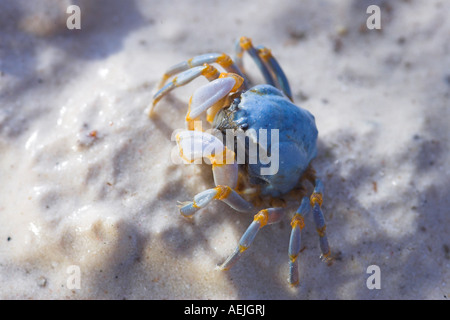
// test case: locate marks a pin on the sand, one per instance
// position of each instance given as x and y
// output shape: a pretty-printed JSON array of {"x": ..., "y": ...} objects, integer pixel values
[{"x": 88, "y": 191}]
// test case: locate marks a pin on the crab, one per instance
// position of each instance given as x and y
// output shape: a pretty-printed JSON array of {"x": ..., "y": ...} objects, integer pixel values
[{"x": 229, "y": 102}]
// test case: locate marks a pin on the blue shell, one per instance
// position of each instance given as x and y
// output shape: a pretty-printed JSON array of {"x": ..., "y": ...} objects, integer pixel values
[{"x": 265, "y": 107}]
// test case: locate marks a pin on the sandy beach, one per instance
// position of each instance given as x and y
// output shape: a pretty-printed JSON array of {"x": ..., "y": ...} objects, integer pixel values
[{"x": 88, "y": 190}]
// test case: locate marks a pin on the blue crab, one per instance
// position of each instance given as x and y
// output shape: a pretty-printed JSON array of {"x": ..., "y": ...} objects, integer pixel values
[{"x": 231, "y": 103}]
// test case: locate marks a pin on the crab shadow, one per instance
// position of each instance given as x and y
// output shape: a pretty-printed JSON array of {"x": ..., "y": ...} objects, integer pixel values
[
  {"x": 404, "y": 271},
  {"x": 399, "y": 257}
]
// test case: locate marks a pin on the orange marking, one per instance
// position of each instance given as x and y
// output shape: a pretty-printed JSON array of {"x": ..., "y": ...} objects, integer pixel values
[
  {"x": 163, "y": 80},
  {"x": 326, "y": 255},
  {"x": 242, "y": 248},
  {"x": 188, "y": 117},
  {"x": 295, "y": 283},
  {"x": 298, "y": 220},
  {"x": 239, "y": 80},
  {"x": 226, "y": 157},
  {"x": 265, "y": 54},
  {"x": 224, "y": 60},
  {"x": 212, "y": 112},
  {"x": 222, "y": 192},
  {"x": 321, "y": 231},
  {"x": 245, "y": 43},
  {"x": 316, "y": 198},
  {"x": 262, "y": 217},
  {"x": 210, "y": 72},
  {"x": 180, "y": 150},
  {"x": 155, "y": 101},
  {"x": 190, "y": 124},
  {"x": 293, "y": 257}
]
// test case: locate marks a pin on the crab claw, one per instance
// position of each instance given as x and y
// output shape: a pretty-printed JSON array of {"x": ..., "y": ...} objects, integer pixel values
[{"x": 212, "y": 95}]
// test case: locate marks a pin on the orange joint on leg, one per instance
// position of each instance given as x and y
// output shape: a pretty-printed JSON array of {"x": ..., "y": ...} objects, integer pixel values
[
  {"x": 262, "y": 217},
  {"x": 222, "y": 192},
  {"x": 292, "y": 257},
  {"x": 242, "y": 248},
  {"x": 327, "y": 255},
  {"x": 298, "y": 220},
  {"x": 239, "y": 80},
  {"x": 194, "y": 124},
  {"x": 265, "y": 54},
  {"x": 316, "y": 198},
  {"x": 210, "y": 72},
  {"x": 224, "y": 60},
  {"x": 190, "y": 124},
  {"x": 321, "y": 231},
  {"x": 295, "y": 284},
  {"x": 245, "y": 43}
]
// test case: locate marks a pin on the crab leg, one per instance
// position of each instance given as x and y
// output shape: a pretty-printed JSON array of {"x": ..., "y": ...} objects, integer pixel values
[
  {"x": 210, "y": 95},
  {"x": 275, "y": 68},
  {"x": 244, "y": 44},
  {"x": 262, "y": 218},
  {"x": 195, "y": 145},
  {"x": 221, "y": 59},
  {"x": 223, "y": 193},
  {"x": 268, "y": 65},
  {"x": 316, "y": 203},
  {"x": 207, "y": 71},
  {"x": 297, "y": 225}
]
